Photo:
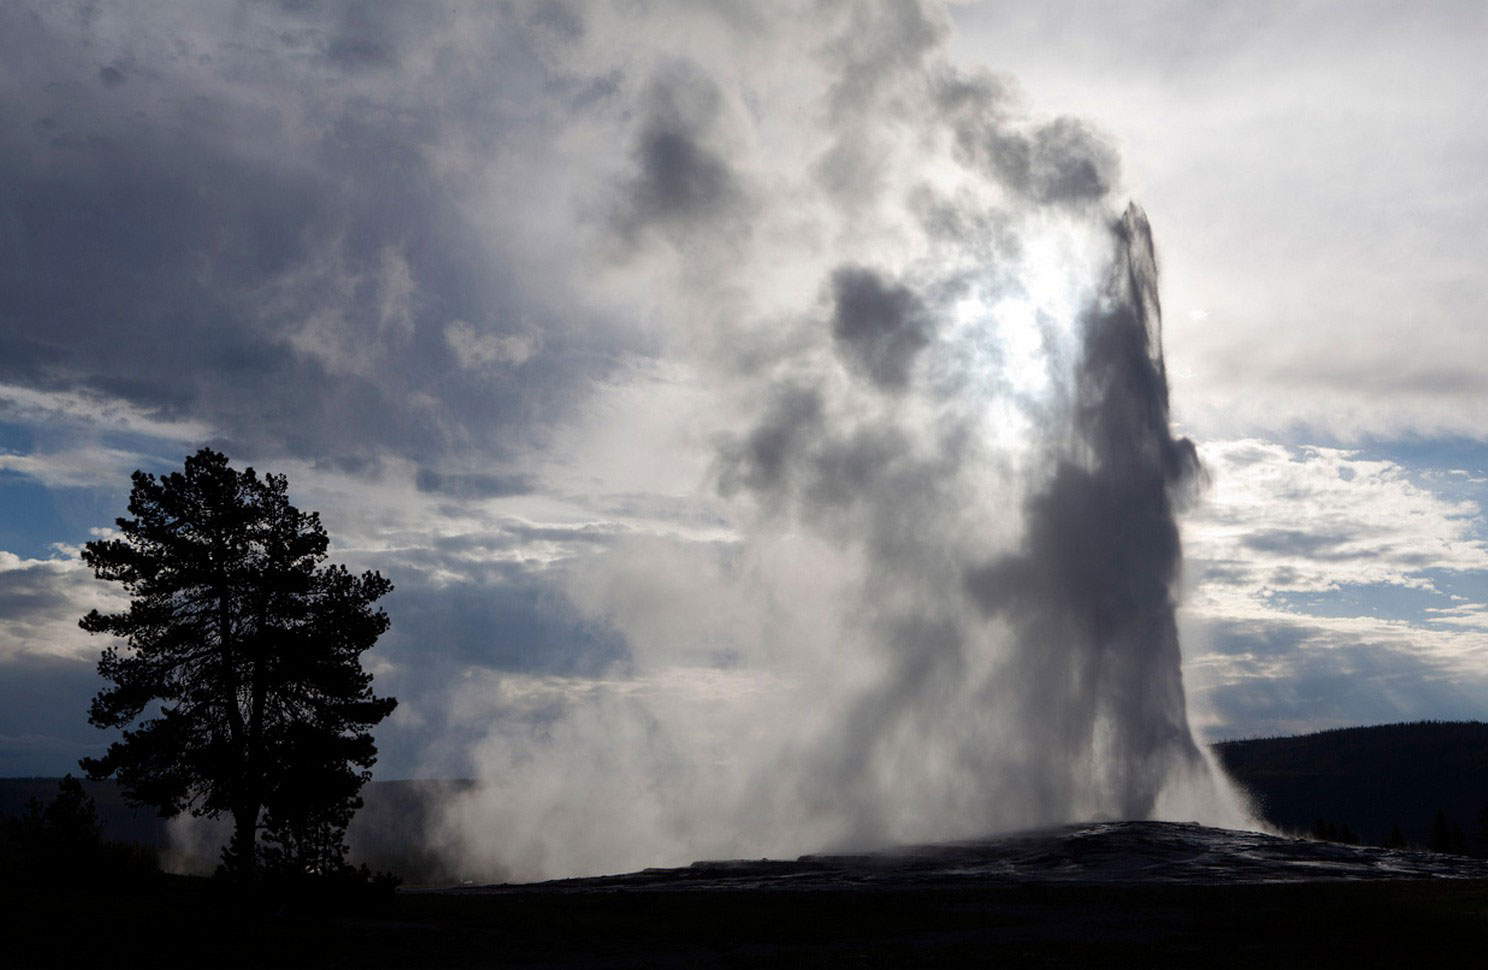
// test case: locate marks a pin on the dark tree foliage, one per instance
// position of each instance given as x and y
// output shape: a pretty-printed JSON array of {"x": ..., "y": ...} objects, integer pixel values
[
  {"x": 57, "y": 842},
  {"x": 240, "y": 664},
  {"x": 69, "y": 822},
  {"x": 1326, "y": 831},
  {"x": 52, "y": 839},
  {"x": 1446, "y": 835}
]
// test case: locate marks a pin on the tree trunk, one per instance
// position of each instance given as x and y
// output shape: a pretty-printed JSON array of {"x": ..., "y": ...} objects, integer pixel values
[{"x": 242, "y": 853}]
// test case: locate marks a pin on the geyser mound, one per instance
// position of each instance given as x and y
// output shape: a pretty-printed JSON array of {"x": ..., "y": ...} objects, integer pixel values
[{"x": 1091, "y": 854}]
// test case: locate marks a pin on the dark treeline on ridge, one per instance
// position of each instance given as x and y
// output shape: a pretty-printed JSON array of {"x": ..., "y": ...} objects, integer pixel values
[{"x": 1422, "y": 784}]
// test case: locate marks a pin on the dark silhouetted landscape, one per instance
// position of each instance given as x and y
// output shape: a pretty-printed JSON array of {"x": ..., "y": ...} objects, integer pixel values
[{"x": 1119, "y": 893}]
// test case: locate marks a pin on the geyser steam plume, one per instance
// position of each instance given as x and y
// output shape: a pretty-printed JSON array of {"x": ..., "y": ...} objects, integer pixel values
[{"x": 916, "y": 357}]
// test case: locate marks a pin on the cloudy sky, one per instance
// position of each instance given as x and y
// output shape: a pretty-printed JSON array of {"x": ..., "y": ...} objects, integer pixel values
[{"x": 529, "y": 302}]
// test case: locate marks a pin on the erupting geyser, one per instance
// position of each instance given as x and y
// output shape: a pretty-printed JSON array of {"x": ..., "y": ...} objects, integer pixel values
[
  {"x": 916, "y": 355},
  {"x": 1091, "y": 593}
]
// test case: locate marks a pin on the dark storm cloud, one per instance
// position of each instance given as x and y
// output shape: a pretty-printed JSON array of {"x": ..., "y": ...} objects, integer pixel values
[
  {"x": 31, "y": 591},
  {"x": 879, "y": 327},
  {"x": 796, "y": 455},
  {"x": 846, "y": 468},
  {"x": 1312, "y": 545},
  {"x": 1059, "y": 162},
  {"x": 563, "y": 17},
  {"x": 1284, "y": 576},
  {"x": 869, "y": 482},
  {"x": 1229, "y": 572},
  {"x": 1250, "y": 454},
  {"x": 1063, "y": 161},
  {"x": 762, "y": 461},
  {"x": 471, "y": 485},
  {"x": 865, "y": 482},
  {"x": 355, "y": 50},
  {"x": 973, "y": 101},
  {"x": 1260, "y": 641},
  {"x": 1333, "y": 547},
  {"x": 43, "y": 730},
  {"x": 254, "y": 234},
  {"x": 681, "y": 178}
]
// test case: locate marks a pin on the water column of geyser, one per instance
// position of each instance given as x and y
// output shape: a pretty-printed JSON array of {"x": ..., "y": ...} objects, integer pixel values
[{"x": 1090, "y": 594}]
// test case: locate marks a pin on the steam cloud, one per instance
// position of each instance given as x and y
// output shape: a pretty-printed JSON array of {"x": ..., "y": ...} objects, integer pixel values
[{"x": 925, "y": 355}]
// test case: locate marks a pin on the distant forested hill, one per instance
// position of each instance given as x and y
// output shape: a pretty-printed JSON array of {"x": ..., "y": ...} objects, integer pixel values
[{"x": 1429, "y": 779}]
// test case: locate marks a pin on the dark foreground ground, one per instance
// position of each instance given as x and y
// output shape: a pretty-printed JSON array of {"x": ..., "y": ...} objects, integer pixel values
[
  {"x": 180, "y": 922},
  {"x": 1091, "y": 894}
]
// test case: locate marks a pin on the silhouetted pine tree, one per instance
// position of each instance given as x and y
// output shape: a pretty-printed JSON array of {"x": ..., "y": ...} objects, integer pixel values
[
  {"x": 1446, "y": 835},
  {"x": 239, "y": 664}
]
